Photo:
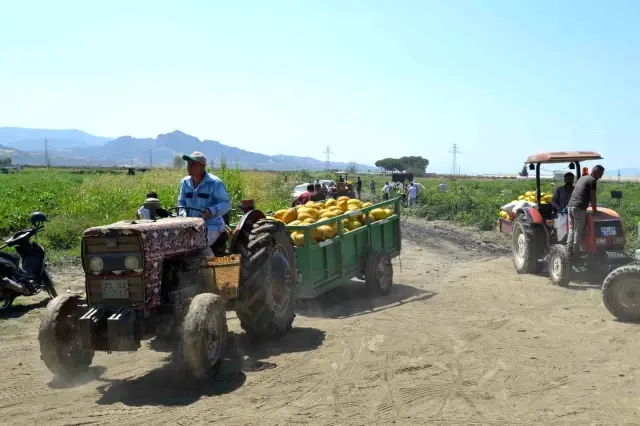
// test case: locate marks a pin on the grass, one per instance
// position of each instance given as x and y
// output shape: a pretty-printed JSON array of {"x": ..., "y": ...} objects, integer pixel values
[{"x": 75, "y": 201}]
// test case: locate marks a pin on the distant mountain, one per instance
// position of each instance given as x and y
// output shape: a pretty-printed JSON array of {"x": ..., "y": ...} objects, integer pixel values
[
  {"x": 33, "y": 139},
  {"x": 77, "y": 148}
]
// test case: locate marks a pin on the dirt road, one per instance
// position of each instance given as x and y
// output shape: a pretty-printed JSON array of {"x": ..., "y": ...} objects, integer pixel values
[{"x": 461, "y": 340}]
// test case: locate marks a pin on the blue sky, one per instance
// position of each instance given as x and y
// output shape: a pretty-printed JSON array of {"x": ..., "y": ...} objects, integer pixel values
[{"x": 372, "y": 79}]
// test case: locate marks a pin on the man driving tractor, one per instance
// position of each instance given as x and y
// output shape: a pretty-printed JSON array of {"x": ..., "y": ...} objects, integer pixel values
[
  {"x": 583, "y": 194},
  {"x": 204, "y": 191}
]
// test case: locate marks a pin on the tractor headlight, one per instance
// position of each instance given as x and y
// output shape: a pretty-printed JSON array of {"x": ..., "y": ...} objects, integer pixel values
[
  {"x": 96, "y": 264},
  {"x": 131, "y": 262}
]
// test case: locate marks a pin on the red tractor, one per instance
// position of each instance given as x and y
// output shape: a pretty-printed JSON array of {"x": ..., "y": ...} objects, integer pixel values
[{"x": 540, "y": 233}]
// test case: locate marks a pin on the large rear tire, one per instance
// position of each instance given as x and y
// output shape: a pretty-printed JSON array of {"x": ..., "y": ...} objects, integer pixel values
[
  {"x": 59, "y": 337},
  {"x": 268, "y": 280},
  {"x": 525, "y": 246},
  {"x": 204, "y": 335},
  {"x": 621, "y": 293}
]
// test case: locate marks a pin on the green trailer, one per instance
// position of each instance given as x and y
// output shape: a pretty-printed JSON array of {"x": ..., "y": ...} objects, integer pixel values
[{"x": 365, "y": 252}]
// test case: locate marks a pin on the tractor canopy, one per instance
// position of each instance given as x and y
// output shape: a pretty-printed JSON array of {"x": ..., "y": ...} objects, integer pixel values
[{"x": 563, "y": 157}]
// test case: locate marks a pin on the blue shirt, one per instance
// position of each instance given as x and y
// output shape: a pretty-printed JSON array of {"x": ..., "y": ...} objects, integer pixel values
[{"x": 211, "y": 194}]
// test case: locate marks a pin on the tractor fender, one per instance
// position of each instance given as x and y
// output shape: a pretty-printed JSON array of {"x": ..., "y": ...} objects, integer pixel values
[
  {"x": 532, "y": 215},
  {"x": 249, "y": 218}
]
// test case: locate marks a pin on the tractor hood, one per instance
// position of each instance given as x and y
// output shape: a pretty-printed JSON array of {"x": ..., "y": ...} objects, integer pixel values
[{"x": 604, "y": 214}]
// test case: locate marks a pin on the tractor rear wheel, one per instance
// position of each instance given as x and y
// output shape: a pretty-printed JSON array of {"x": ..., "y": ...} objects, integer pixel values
[
  {"x": 525, "y": 246},
  {"x": 621, "y": 293},
  {"x": 559, "y": 264},
  {"x": 268, "y": 280}
]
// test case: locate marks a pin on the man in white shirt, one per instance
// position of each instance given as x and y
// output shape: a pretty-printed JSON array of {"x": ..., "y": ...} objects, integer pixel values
[
  {"x": 386, "y": 190},
  {"x": 413, "y": 194}
]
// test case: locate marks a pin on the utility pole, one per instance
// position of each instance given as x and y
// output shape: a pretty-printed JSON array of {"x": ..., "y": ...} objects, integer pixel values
[
  {"x": 46, "y": 153},
  {"x": 328, "y": 152},
  {"x": 150, "y": 158},
  {"x": 455, "y": 151}
]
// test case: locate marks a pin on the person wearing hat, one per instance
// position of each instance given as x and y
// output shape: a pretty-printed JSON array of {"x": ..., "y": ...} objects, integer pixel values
[{"x": 204, "y": 191}]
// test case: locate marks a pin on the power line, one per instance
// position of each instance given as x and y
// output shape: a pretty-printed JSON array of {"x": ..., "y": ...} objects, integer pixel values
[
  {"x": 455, "y": 151},
  {"x": 328, "y": 153}
]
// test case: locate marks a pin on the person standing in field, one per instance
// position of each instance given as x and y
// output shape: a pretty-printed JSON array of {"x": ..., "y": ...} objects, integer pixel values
[
  {"x": 359, "y": 188},
  {"x": 412, "y": 192},
  {"x": 206, "y": 192},
  {"x": 583, "y": 194},
  {"x": 372, "y": 186},
  {"x": 386, "y": 189}
]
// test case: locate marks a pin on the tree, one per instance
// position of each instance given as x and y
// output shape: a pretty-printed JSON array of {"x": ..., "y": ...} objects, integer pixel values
[
  {"x": 352, "y": 169},
  {"x": 5, "y": 161},
  {"x": 178, "y": 162},
  {"x": 524, "y": 172},
  {"x": 412, "y": 164}
]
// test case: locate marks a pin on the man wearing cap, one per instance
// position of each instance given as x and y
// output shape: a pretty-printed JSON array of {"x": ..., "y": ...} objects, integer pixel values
[{"x": 204, "y": 191}]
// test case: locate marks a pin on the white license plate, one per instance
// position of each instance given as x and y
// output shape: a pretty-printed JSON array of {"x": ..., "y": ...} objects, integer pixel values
[
  {"x": 608, "y": 231},
  {"x": 115, "y": 289}
]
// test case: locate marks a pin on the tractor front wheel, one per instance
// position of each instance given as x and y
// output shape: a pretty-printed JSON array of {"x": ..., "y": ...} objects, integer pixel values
[
  {"x": 559, "y": 264},
  {"x": 621, "y": 293},
  {"x": 268, "y": 280},
  {"x": 204, "y": 334}
]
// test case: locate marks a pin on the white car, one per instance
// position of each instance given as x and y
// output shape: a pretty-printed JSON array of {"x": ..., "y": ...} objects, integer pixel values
[{"x": 299, "y": 189}]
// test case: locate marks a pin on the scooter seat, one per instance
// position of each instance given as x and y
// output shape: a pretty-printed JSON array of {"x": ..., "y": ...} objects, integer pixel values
[{"x": 11, "y": 256}]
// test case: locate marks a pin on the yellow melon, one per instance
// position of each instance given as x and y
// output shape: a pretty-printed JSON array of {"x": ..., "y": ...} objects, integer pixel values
[
  {"x": 326, "y": 231},
  {"x": 343, "y": 205},
  {"x": 290, "y": 215},
  {"x": 329, "y": 214},
  {"x": 343, "y": 198},
  {"x": 295, "y": 223},
  {"x": 355, "y": 225},
  {"x": 279, "y": 214},
  {"x": 330, "y": 202},
  {"x": 367, "y": 204},
  {"x": 379, "y": 214},
  {"x": 304, "y": 216},
  {"x": 388, "y": 212},
  {"x": 355, "y": 202}
]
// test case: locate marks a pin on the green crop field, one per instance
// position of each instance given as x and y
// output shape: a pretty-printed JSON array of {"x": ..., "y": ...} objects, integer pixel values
[{"x": 76, "y": 200}]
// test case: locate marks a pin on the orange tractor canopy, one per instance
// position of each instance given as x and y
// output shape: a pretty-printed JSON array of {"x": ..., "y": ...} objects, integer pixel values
[{"x": 539, "y": 233}]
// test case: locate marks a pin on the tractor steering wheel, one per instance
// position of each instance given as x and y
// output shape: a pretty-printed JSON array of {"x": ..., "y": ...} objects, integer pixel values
[{"x": 173, "y": 211}]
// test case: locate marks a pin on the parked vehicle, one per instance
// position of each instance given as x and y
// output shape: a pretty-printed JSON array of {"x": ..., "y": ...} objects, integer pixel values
[
  {"x": 539, "y": 233},
  {"x": 24, "y": 273},
  {"x": 149, "y": 278}
]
